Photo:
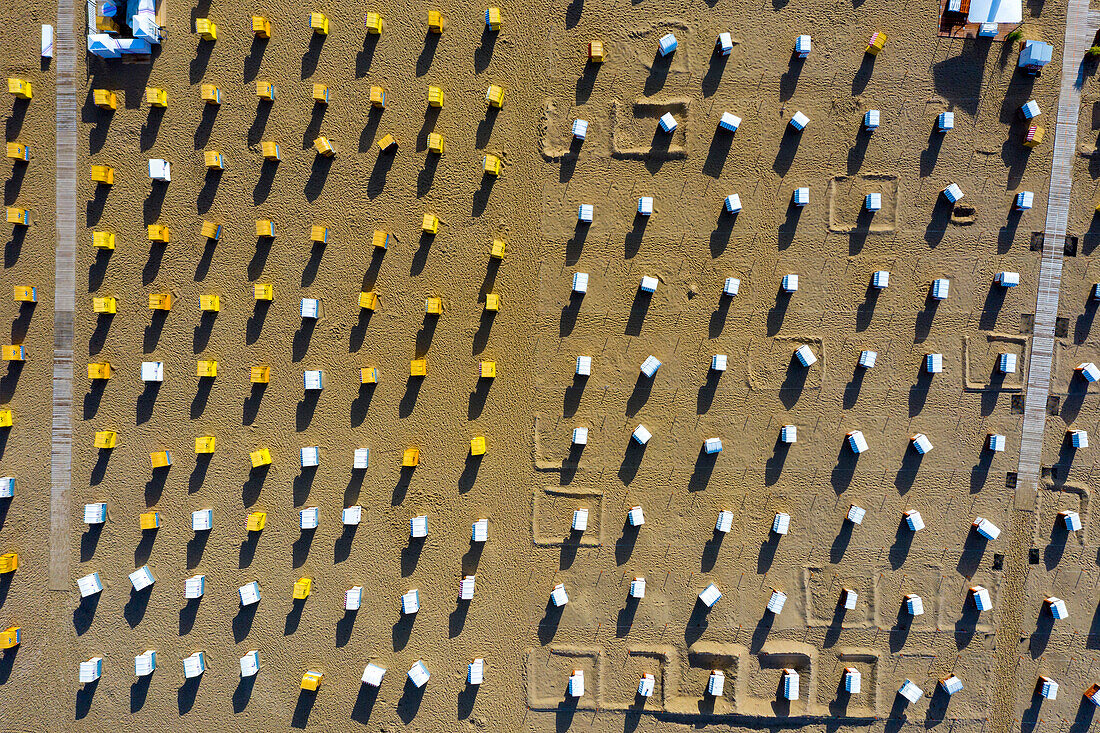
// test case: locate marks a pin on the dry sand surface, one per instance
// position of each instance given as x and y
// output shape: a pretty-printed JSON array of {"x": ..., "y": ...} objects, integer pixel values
[{"x": 531, "y": 479}]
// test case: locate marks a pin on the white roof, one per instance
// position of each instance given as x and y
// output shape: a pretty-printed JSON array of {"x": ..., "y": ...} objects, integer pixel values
[
  {"x": 418, "y": 526},
  {"x": 466, "y": 587},
  {"x": 576, "y": 683},
  {"x": 194, "y": 587},
  {"x": 145, "y": 663},
  {"x": 710, "y": 595},
  {"x": 373, "y": 674},
  {"x": 856, "y": 514},
  {"x": 202, "y": 519},
  {"x": 580, "y": 282},
  {"x": 410, "y": 602},
  {"x": 646, "y": 684},
  {"x": 731, "y": 286},
  {"x": 249, "y": 593},
  {"x": 559, "y": 596},
  {"x": 353, "y": 598},
  {"x": 910, "y": 691},
  {"x": 479, "y": 531},
  {"x": 419, "y": 674},
  {"x": 650, "y": 365},
  {"x": 914, "y": 520},
  {"x": 352, "y": 515},
  {"x": 725, "y": 521},
  {"x": 91, "y": 669},
  {"x": 782, "y": 523},
  {"x": 89, "y": 585},
  {"x": 250, "y": 663},
  {"x": 308, "y": 517},
  {"x": 142, "y": 578},
  {"x": 636, "y": 516},
  {"x": 95, "y": 513},
  {"x": 642, "y": 435},
  {"x": 194, "y": 665},
  {"x": 850, "y": 598},
  {"x": 152, "y": 371},
  {"x": 777, "y": 601},
  {"x": 716, "y": 683},
  {"x": 475, "y": 673},
  {"x": 584, "y": 366},
  {"x": 580, "y": 520},
  {"x": 637, "y": 588},
  {"x": 361, "y": 459}
]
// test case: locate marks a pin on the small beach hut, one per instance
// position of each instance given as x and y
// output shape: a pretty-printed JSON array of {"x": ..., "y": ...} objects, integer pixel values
[
  {"x": 635, "y": 516},
  {"x": 776, "y": 602},
  {"x": 580, "y": 520},
  {"x": 921, "y": 443},
  {"x": 308, "y": 518},
  {"x": 914, "y": 604},
  {"x": 91, "y": 670},
  {"x": 986, "y": 528},
  {"x": 1071, "y": 520},
  {"x": 479, "y": 531},
  {"x": 667, "y": 44},
  {"x": 913, "y": 520},
  {"x": 856, "y": 441},
  {"x": 558, "y": 596},
  {"x": 867, "y": 359},
  {"x": 788, "y": 434},
  {"x": 249, "y": 593},
  {"x": 646, "y": 685},
  {"x": 418, "y": 526},
  {"x": 145, "y": 663},
  {"x": 731, "y": 286},
  {"x": 951, "y": 685},
  {"x": 996, "y": 442},
  {"x": 353, "y": 598},
  {"x": 712, "y": 446},
  {"x": 981, "y": 598},
  {"x": 250, "y": 663},
  {"x": 142, "y": 578},
  {"x": 194, "y": 587},
  {"x": 790, "y": 684},
  {"x": 89, "y": 585},
  {"x": 194, "y": 665},
  {"x": 1078, "y": 438},
  {"x": 410, "y": 601},
  {"x": 637, "y": 587},
  {"x": 710, "y": 595},
  {"x": 466, "y": 587},
  {"x": 576, "y": 683},
  {"x": 650, "y": 366},
  {"x": 716, "y": 683},
  {"x": 725, "y": 522},
  {"x": 373, "y": 674},
  {"x": 849, "y": 598},
  {"x": 805, "y": 355},
  {"x": 910, "y": 691},
  {"x": 1048, "y": 688},
  {"x": 781, "y": 524},
  {"x": 853, "y": 681},
  {"x": 475, "y": 672}
]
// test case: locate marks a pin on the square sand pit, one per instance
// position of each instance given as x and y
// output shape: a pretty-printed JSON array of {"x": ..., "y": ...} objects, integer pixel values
[
  {"x": 636, "y": 134},
  {"x": 548, "y": 671},
  {"x": 620, "y": 686},
  {"x": 847, "y": 214},
  {"x": 830, "y": 691},
  {"x": 772, "y": 364},
  {"x": 695, "y": 669},
  {"x": 980, "y": 357},
  {"x": 552, "y": 516}
]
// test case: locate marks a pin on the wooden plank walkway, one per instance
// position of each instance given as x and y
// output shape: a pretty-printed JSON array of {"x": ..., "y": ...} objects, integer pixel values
[
  {"x": 1079, "y": 33},
  {"x": 65, "y": 56}
]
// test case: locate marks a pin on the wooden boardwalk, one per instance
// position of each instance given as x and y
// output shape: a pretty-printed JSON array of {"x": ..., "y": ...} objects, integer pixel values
[
  {"x": 65, "y": 57},
  {"x": 1079, "y": 33}
]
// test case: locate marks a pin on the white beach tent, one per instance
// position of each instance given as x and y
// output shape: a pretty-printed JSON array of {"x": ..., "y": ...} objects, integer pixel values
[
  {"x": 249, "y": 593},
  {"x": 716, "y": 683},
  {"x": 145, "y": 663},
  {"x": 194, "y": 665},
  {"x": 91, "y": 670},
  {"x": 710, "y": 595},
  {"x": 475, "y": 672},
  {"x": 89, "y": 585},
  {"x": 373, "y": 674},
  {"x": 194, "y": 587},
  {"x": 95, "y": 513},
  {"x": 646, "y": 685},
  {"x": 576, "y": 683},
  {"x": 142, "y": 578},
  {"x": 910, "y": 691},
  {"x": 981, "y": 598},
  {"x": 781, "y": 524},
  {"x": 853, "y": 681},
  {"x": 250, "y": 663},
  {"x": 558, "y": 595},
  {"x": 790, "y": 684},
  {"x": 986, "y": 528},
  {"x": 419, "y": 674},
  {"x": 637, "y": 587}
]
